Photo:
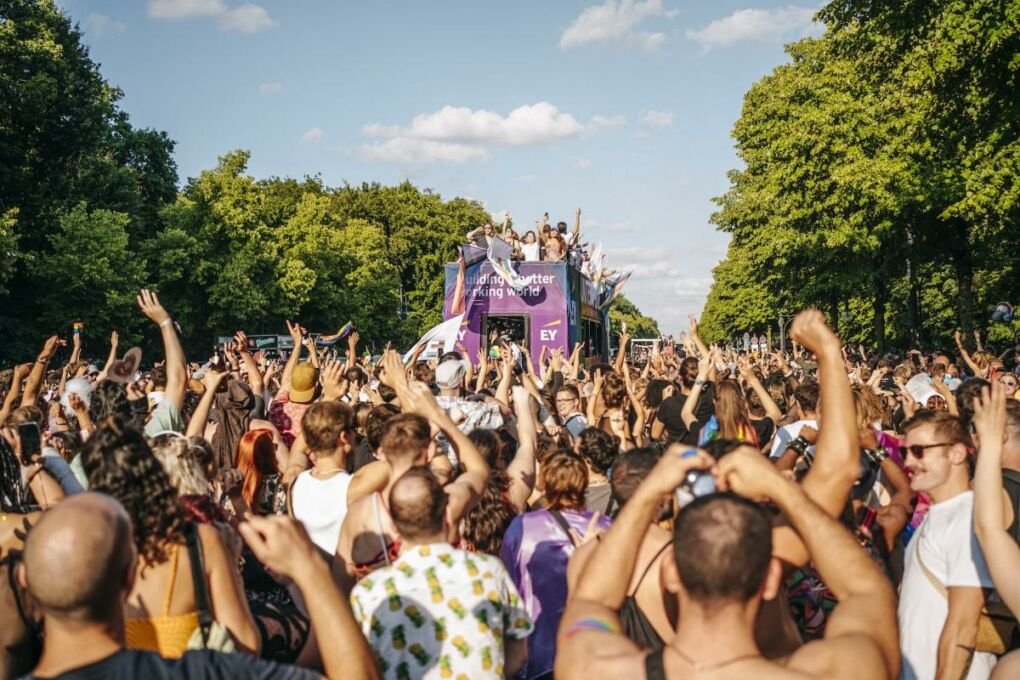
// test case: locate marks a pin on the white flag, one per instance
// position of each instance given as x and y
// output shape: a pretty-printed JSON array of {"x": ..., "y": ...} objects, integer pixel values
[{"x": 438, "y": 340}]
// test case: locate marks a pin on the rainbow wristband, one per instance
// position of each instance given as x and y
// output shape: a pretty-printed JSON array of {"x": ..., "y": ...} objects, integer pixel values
[{"x": 598, "y": 625}]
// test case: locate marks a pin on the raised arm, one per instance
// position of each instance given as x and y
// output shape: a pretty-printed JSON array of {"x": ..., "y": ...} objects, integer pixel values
[
  {"x": 837, "y": 452},
  {"x": 105, "y": 373},
  {"x": 295, "y": 331},
  {"x": 693, "y": 332},
  {"x": 621, "y": 352},
  {"x": 867, "y": 604},
  {"x": 966, "y": 355},
  {"x": 521, "y": 470},
  {"x": 771, "y": 409},
  {"x": 254, "y": 376},
  {"x": 176, "y": 369},
  {"x": 14, "y": 391},
  {"x": 1000, "y": 550},
  {"x": 196, "y": 426},
  {"x": 38, "y": 374},
  {"x": 602, "y": 585},
  {"x": 576, "y": 235},
  {"x": 687, "y": 412}
]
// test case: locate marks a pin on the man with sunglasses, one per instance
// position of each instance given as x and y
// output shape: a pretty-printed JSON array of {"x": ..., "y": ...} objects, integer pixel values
[{"x": 945, "y": 577}]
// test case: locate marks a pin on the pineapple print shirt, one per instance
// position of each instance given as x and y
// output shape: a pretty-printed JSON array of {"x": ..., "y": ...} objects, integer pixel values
[{"x": 440, "y": 612}]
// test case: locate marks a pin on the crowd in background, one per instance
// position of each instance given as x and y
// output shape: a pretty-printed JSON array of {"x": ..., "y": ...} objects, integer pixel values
[{"x": 689, "y": 510}]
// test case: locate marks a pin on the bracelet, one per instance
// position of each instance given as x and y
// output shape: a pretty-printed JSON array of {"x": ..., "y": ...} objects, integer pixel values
[
  {"x": 800, "y": 445},
  {"x": 167, "y": 322},
  {"x": 700, "y": 382}
]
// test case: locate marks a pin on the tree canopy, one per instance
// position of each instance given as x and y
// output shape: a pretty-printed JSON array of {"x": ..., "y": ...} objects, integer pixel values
[
  {"x": 880, "y": 175},
  {"x": 91, "y": 210}
]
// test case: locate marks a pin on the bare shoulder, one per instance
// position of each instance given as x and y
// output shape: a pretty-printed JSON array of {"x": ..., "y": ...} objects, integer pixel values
[{"x": 847, "y": 656}]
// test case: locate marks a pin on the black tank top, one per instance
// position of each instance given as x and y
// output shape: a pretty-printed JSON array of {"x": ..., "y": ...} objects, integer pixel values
[
  {"x": 1011, "y": 484},
  {"x": 635, "y": 624},
  {"x": 654, "y": 668}
]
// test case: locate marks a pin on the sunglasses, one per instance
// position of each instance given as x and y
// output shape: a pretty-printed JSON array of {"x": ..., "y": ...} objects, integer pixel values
[
  {"x": 917, "y": 450},
  {"x": 1008, "y": 383}
]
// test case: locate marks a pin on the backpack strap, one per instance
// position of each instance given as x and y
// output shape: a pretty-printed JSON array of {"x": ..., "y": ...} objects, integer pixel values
[
  {"x": 561, "y": 520},
  {"x": 202, "y": 604}
]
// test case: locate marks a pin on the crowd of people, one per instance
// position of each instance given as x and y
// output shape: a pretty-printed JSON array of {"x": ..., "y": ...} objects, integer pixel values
[
  {"x": 697, "y": 512},
  {"x": 544, "y": 243}
]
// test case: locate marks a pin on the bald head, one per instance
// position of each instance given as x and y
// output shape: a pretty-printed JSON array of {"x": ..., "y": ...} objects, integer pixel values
[
  {"x": 418, "y": 505},
  {"x": 80, "y": 557}
]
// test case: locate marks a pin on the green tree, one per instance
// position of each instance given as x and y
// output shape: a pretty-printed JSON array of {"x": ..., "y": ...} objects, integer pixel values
[
  {"x": 91, "y": 272},
  {"x": 623, "y": 311}
]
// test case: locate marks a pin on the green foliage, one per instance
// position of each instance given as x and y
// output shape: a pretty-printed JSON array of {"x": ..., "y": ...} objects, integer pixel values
[
  {"x": 623, "y": 310},
  {"x": 894, "y": 137},
  {"x": 90, "y": 211}
]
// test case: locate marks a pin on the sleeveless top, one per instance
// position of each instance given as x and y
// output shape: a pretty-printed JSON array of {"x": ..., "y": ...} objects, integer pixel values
[
  {"x": 531, "y": 251},
  {"x": 321, "y": 505},
  {"x": 635, "y": 624},
  {"x": 388, "y": 553},
  {"x": 655, "y": 669},
  {"x": 1011, "y": 484},
  {"x": 166, "y": 635}
]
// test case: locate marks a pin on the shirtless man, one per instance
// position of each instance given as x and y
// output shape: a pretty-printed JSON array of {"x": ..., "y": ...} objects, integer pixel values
[
  {"x": 368, "y": 538},
  {"x": 720, "y": 570}
]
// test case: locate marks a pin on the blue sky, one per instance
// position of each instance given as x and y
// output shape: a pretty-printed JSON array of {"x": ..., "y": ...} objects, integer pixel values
[{"x": 620, "y": 107}]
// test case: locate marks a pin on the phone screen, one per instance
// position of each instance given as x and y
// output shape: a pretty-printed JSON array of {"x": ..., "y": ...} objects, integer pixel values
[{"x": 31, "y": 440}]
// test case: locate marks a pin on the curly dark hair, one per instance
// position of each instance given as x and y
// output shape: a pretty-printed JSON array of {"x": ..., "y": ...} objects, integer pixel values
[
  {"x": 119, "y": 463},
  {"x": 485, "y": 525},
  {"x": 110, "y": 399},
  {"x": 599, "y": 449}
]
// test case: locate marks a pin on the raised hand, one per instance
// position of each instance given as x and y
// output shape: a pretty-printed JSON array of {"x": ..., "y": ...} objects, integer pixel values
[
  {"x": 296, "y": 332},
  {"x": 280, "y": 543},
  {"x": 990, "y": 413},
  {"x": 149, "y": 303},
  {"x": 810, "y": 330},
  {"x": 331, "y": 376},
  {"x": 748, "y": 473},
  {"x": 211, "y": 380}
]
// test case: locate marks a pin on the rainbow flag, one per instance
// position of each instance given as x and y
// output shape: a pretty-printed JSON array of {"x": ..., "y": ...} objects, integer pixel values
[{"x": 327, "y": 340}]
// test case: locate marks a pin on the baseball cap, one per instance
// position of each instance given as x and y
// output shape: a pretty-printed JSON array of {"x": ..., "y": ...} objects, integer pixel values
[
  {"x": 303, "y": 380},
  {"x": 450, "y": 374}
]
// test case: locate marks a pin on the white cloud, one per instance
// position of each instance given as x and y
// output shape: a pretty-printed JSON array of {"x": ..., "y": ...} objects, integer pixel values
[
  {"x": 311, "y": 136},
  {"x": 582, "y": 163},
  {"x": 691, "y": 287},
  {"x": 270, "y": 88},
  {"x": 605, "y": 122},
  {"x": 185, "y": 9},
  {"x": 657, "y": 119},
  {"x": 406, "y": 151},
  {"x": 458, "y": 134},
  {"x": 756, "y": 25},
  {"x": 246, "y": 18},
  {"x": 615, "y": 21},
  {"x": 100, "y": 25}
]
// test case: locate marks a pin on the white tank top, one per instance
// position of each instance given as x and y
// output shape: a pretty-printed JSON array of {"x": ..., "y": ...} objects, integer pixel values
[
  {"x": 321, "y": 505},
  {"x": 530, "y": 251}
]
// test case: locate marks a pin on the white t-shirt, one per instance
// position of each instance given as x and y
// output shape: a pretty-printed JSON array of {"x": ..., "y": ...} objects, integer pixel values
[
  {"x": 949, "y": 549},
  {"x": 786, "y": 434},
  {"x": 321, "y": 505},
  {"x": 531, "y": 251}
]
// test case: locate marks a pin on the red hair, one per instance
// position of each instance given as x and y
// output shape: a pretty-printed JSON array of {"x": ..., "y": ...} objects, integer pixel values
[{"x": 256, "y": 458}]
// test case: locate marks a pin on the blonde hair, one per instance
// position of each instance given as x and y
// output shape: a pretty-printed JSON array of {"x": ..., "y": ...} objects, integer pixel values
[{"x": 181, "y": 461}]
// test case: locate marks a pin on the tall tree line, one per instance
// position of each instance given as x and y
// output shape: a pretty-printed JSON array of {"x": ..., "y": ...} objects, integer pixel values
[
  {"x": 91, "y": 210},
  {"x": 880, "y": 178}
]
